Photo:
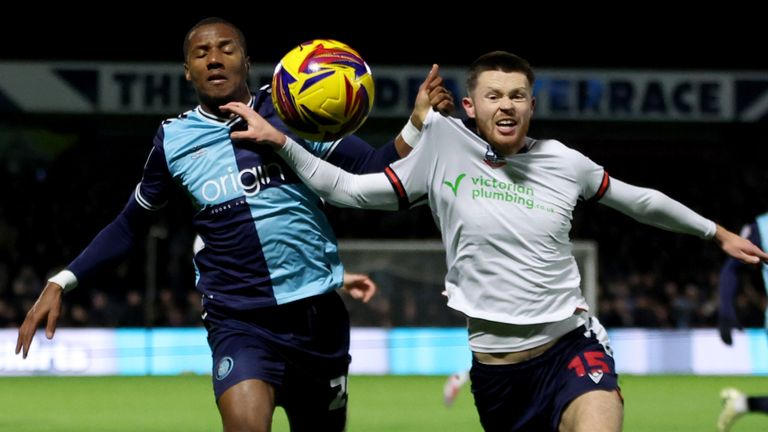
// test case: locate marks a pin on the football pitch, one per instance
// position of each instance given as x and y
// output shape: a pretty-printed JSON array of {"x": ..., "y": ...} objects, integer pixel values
[{"x": 377, "y": 404}]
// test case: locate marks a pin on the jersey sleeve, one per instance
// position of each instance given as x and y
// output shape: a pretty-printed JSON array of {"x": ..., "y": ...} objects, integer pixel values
[
  {"x": 411, "y": 173},
  {"x": 114, "y": 242},
  {"x": 401, "y": 185},
  {"x": 592, "y": 178},
  {"x": 355, "y": 155},
  {"x": 654, "y": 208},
  {"x": 153, "y": 190},
  {"x": 339, "y": 187}
]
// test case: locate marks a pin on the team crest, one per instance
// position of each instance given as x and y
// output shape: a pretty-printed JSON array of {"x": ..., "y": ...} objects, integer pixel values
[
  {"x": 596, "y": 375},
  {"x": 224, "y": 368}
]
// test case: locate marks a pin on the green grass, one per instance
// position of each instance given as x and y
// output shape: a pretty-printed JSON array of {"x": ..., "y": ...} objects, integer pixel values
[{"x": 377, "y": 404}]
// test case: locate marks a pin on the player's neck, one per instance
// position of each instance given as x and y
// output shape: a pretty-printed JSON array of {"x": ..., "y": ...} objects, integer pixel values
[{"x": 212, "y": 106}]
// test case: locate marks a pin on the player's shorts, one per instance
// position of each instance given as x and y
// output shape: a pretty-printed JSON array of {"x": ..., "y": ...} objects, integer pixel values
[
  {"x": 531, "y": 396},
  {"x": 301, "y": 348}
]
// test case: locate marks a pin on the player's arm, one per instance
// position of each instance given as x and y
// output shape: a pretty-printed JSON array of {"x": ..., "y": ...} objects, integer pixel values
[
  {"x": 356, "y": 156},
  {"x": 109, "y": 246},
  {"x": 728, "y": 287},
  {"x": 382, "y": 191},
  {"x": 654, "y": 208},
  {"x": 339, "y": 187},
  {"x": 432, "y": 94}
]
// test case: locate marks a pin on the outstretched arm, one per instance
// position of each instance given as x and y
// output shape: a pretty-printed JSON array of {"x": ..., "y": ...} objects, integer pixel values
[
  {"x": 652, "y": 207},
  {"x": 374, "y": 191},
  {"x": 371, "y": 191},
  {"x": 339, "y": 187},
  {"x": 109, "y": 246}
]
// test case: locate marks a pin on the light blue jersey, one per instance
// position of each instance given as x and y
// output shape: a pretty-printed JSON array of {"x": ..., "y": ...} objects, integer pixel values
[
  {"x": 267, "y": 240},
  {"x": 762, "y": 227}
]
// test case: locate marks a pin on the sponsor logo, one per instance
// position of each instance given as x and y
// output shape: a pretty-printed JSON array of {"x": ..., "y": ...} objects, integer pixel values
[
  {"x": 486, "y": 188},
  {"x": 248, "y": 181},
  {"x": 455, "y": 185}
]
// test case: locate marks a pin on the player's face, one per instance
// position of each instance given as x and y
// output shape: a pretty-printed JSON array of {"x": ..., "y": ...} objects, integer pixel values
[
  {"x": 502, "y": 106},
  {"x": 216, "y": 66}
]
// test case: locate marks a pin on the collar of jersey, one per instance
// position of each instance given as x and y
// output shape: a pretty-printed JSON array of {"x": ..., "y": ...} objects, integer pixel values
[
  {"x": 472, "y": 125},
  {"x": 224, "y": 121}
]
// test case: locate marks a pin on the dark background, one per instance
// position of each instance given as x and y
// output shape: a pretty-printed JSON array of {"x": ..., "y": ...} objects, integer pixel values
[{"x": 644, "y": 37}]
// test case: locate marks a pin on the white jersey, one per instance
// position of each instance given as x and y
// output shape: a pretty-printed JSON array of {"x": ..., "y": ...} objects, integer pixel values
[{"x": 505, "y": 222}]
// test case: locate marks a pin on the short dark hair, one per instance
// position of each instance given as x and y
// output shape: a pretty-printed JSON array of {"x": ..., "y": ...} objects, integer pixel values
[
  {"x": 215, "y": 20},
  {"x": 501, "y": 61}
]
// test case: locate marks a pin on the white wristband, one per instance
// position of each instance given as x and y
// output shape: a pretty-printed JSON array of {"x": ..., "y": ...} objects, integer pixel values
[
  {"x": 410, "y": 134},
  {"x": 66, "y": 279}
]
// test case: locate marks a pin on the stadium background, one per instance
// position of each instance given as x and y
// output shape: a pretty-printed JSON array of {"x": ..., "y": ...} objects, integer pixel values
[{"x": 51, "y": 207}]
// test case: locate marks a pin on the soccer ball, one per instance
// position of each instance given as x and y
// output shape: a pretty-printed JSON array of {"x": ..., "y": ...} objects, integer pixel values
[{"x": 323, "y": 90}]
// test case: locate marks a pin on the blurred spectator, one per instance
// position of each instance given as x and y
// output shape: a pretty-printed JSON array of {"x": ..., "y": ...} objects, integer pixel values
[{"x": 133, "y": 314}]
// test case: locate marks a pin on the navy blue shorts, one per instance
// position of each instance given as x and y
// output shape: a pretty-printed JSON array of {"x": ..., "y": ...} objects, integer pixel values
[
  {"x": 301, "y": 348},
  {"x": 531, "y": 396}
]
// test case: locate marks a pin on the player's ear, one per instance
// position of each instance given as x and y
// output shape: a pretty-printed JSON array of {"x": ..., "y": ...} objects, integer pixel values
[
  {"x": 469, "y": 107},
  {"x": 186, "y": 72}
]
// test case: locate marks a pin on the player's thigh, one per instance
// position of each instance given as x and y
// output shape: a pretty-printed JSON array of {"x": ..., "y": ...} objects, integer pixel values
[
  {"x": 594, "y": 411},
  {"x": 247, "y": 406},
  {"x": 317, "y": 403}
]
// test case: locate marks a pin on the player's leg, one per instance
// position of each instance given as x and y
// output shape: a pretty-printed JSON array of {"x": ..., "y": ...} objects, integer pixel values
[
  {"x": 588, "y": 399},
  {"x": 506, "y": 396},
  {"x": 247, "y": 406},
  {"x": 596, "y": 411},
  {"x": 735, "y": 404},
  {"x": 757, "y": 404},
  {"x": 314, "y": 391},
  {"x": 533, "y": 395},
  {"x": 316, "y": 404},
  {"x": 246, "y": 371}
]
